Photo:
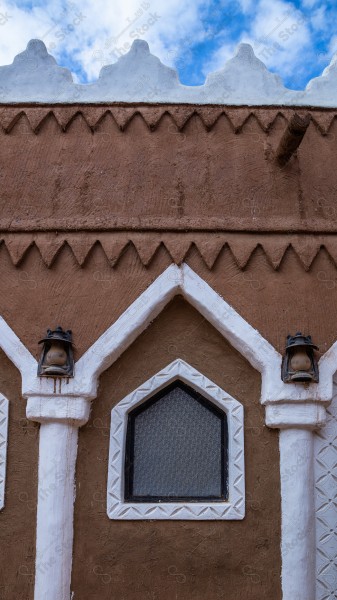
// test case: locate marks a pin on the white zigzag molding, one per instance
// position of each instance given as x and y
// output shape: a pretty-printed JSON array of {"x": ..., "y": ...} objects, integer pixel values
[
  {"x": 234, "y": 508},
  {"x": 3, "y": 446}
]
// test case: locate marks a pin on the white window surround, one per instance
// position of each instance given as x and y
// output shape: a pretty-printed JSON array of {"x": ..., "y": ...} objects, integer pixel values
[
  {"x": 234, "y": 508},
  {"x": 3, "y": 446}
]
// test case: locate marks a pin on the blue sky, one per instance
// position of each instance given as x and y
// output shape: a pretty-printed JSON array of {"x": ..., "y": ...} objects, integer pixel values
[{"x": 294, "y": 39}]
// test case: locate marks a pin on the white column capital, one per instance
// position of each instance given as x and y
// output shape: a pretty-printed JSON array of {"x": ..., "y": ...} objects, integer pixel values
[
  {"x": 292, "y": 414},
  {"x": 71, "y": 410}
]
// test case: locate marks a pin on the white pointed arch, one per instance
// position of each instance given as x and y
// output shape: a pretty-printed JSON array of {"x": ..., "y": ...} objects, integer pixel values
[
  {"x": 231, "y": 509},
  {"x": 182, "y": 280},
  {"x": 16, "y": 351}
]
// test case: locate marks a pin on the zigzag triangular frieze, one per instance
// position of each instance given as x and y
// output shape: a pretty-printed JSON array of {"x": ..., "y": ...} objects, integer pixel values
[
  {"x": 242, "y": 249},
  {"x": 45, "y": 123},
  {"x": 114, "y": 247},
  {"x": 123, "y": 116},
  {"x": 78, "y": 125},
  {"x": 181, "y": 114},
  {"x": 238, "y": 118},
  {"x": 20, "y": 125},
  {"x": 177, "y": 247},
  {"x": 49, "y": 249},
  {"x": 90, "y": 117},
  {"x": 209, "y": 249},
  {"x": 306, "y": 250},
  {"x": 8, "y": 116},
  {"x": 210, "y": 117},
  {"x": 81, "y": 247},
  {"x": 146, "y": 246},
  {"x": 17, "y": 247},
  {"x": 65, "y": 114},
  {"x": 35, "y": 117},
  {"x": 94, "y": 114},
  {"x": 323, "y": 121},
  {"x": 153, "y": 116}
]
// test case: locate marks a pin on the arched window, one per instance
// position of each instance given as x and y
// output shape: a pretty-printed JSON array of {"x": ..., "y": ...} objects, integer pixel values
[{"x": 176, "y": 450}]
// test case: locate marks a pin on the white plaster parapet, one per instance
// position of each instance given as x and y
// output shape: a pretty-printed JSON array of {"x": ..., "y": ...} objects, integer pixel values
[
  {"x": 139, "y": 76},
  {"x": 63, "y": 409}
]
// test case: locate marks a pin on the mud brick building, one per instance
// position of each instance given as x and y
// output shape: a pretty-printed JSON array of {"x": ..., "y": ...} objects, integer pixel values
[{"x": 181, "y": 234}]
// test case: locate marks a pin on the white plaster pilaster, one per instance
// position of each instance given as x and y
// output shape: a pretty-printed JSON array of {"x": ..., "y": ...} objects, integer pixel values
[
  {"x": 298, "y": 523},
  {"x": 60, "y": 418},
  {"x": 55, "y": 510},
  {"x": 297, "y": 422}
]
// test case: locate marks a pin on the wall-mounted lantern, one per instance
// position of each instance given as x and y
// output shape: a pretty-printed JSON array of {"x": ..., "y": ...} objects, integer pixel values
[
  {"x": 299, "y": 363},
  {"x": 57, "y": 358}
]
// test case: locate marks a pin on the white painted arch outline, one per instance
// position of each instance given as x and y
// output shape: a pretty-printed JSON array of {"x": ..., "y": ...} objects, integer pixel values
[
  {"x": 120, "y": 335},
  {"x": 234, "y": 508},
  {"x": 239, "y": 333},
  {"x": 181, "y": 280}
]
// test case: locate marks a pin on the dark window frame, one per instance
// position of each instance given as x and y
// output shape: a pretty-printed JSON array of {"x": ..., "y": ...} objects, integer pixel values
[{"x": 129, "y": 449}]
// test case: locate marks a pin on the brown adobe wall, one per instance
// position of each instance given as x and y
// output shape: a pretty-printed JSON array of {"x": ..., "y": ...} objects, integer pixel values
[
  {"x": 94, "y": 206},
  {"x": 163, "y": 168},
  {"x": 18, "y": 517},
  {"x": 217, "y": 559},
  {"x": 98, "y": 200}
]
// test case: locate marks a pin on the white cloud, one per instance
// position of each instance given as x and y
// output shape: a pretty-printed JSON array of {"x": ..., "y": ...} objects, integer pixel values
[{"x": 318, "y": 18}]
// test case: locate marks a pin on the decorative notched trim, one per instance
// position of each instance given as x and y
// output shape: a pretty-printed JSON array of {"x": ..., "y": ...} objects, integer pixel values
[
  {"x": 92, "y": 118},
  {"x": 3, "y": 446},
  {"x": 325, "y": 449},
  {"x": 233, "y": 509},
  {"x": 177, "y": 246}
]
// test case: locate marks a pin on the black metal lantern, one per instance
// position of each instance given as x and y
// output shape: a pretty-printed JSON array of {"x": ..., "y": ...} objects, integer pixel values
[
  {"x": 299, "y": 363},
  {"x": 57, "y": 358}
]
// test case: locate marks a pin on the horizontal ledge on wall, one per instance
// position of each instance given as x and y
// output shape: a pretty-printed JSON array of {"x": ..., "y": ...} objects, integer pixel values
[{"x": 102, "y": 121}]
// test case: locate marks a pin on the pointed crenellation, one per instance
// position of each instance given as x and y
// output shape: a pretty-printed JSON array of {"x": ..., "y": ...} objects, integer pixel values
[
  {"x": 322, "y": 91},
  {"x": 137, "y": 76},
  {"x": 34, "y": 76},
  {"x": 246, "y": 80}
]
